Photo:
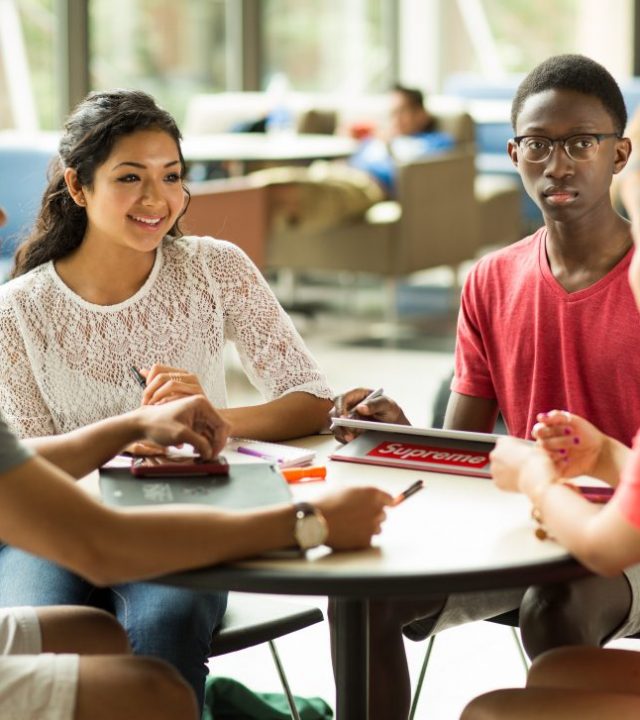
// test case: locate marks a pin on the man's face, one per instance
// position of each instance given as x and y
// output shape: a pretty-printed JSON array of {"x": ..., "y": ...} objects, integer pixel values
[
  {"x": 405, "y": 118},
  {"x": 563, "y": 188}
]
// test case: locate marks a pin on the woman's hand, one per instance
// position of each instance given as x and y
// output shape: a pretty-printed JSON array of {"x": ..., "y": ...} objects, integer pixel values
[
  {"x": 573, "y": 444},
  {"x": 165, "y": 383},
  {"x": 508, "y": 460},
  {"x": 379, "y": 409}
]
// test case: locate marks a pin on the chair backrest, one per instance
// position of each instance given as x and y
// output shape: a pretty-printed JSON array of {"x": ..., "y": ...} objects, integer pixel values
[
  {"x": 458, "y": 124},
  {"x": 231, "y": 210},
  {"x": 434, "y": 222},
  {"x": 23, "y": 178},
  {"x": 440, "y": 221}
]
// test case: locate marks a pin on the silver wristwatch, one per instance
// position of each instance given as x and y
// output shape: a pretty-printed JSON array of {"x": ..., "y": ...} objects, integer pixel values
[{"x": 311, "y": 528}]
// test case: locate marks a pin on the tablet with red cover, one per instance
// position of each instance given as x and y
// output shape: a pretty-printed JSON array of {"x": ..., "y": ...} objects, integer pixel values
[{"x": 405, "y": 446}]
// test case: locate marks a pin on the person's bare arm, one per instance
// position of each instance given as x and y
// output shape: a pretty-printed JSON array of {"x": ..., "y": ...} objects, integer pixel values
[
  {"x": 627, "y": 181},
  {"x": 601, "y": 538},
  {"x": 188, "y": 420},
  {"x": 629, "y": 189},
  {"x": 44, "y": 513},
  {"x": 291, "y": 416},
  {"x": 472, "y": 414}
]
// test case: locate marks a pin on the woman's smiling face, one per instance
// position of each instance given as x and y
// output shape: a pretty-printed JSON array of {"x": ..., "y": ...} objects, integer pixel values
[{"x": 137, "y": 193}]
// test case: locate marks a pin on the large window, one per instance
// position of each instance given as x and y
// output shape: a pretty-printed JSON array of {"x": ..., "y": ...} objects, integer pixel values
[
  {"x": 601, "y": 30},
  {"x": 496, "y": 38},
  {"x": 28, "y": 97},
  {"x": 330, "y": 46},
  {"x": 170, "y": 49},
  {"x": 175, "y": 48}
]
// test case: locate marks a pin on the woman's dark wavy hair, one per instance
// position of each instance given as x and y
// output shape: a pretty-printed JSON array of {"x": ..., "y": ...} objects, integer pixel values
[{"x": 90, "y": 133}]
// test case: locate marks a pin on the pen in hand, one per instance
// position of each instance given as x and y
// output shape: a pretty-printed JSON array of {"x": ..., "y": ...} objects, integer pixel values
[
  {"x": 411, "y": 490},
  {"x": 371, "y": 396},
  {"x": 139, "y": 377}
]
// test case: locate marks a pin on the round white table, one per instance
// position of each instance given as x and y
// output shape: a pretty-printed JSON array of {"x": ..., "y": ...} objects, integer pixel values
[
  {"x": 457, "y": 534},
  {"x": 265, "y": 147}
]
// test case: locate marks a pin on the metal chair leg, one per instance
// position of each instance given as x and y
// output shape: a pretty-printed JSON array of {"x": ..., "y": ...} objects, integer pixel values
[
  {"x": 523, "y": 654},
  {"x": 425, "y": 663},
  {"x": 423, "y": 670},
  {"x": 283, "y": 679}
]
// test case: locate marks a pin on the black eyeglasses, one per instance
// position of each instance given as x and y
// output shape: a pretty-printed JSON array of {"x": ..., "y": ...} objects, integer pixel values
[{"x": 537, "y": 149}]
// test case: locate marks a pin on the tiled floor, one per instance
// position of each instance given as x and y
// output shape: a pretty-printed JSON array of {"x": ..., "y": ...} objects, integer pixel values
[{"x": 466, "y": 661}]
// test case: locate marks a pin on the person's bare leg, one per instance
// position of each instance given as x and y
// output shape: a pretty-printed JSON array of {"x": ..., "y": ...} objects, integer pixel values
[
  {"x": 132, "y": 688},
  {"x": 552, "y": 704},
  {"x": 111, "y": 683},
  {"x": 389, "y": 682},
  {"x": 81, "y": 630},
  {"x": 587, "y": 668}
]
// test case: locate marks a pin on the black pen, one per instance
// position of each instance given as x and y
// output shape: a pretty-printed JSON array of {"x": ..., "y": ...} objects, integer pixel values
[
  {"x": 139, "y": 377},
  {"x": 411, "y": 490}
]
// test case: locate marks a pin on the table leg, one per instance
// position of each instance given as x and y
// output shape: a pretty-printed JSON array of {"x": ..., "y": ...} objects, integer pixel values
[{"x": 352, "y": 658}]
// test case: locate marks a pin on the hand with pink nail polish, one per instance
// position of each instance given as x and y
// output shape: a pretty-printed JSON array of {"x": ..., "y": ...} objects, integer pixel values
[{"x": 573, "y": 443}]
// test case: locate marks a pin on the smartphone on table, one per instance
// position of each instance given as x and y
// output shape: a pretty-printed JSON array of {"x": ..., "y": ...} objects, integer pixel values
[
  {"x": 599, "y": 494},
  {"x": 161, "y": 466}
]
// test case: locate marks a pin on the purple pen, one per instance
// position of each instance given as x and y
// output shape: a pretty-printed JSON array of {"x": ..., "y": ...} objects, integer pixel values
[{"x": 257, "y": 453}]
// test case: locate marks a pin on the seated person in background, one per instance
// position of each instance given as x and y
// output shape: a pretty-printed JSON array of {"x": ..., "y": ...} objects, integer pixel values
[
  {"x": 411, "y": 135},
  {"x": 43, "y": 512},
  {"x": 575, "y": 683},
  {"x": 325, "y": 194},
  {"x": 106, "y": 281},
  {"x": 543, "y": 323}
]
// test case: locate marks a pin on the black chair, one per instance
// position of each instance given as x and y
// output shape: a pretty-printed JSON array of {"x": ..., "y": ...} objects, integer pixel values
[{"x": 254, "y": 619}]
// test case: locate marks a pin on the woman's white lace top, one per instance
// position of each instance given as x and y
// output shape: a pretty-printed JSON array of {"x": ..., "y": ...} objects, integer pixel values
[{"x": 64, "y": 362}]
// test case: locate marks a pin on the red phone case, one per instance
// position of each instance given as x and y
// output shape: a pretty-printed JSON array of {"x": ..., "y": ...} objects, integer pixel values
[
  {"x": 178, "y": 467},
  {"x": 596, "y": 494}
]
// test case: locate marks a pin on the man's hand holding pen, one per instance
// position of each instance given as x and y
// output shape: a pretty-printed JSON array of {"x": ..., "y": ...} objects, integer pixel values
[
  {"x": 365, "y": 404},
  {"x": 353, "y": 515}
]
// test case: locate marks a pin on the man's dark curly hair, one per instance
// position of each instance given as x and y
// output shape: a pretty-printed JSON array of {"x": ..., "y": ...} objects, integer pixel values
[{"x": 573, "y": 72}]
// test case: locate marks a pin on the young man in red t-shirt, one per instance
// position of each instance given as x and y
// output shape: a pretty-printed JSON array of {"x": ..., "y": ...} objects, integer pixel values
[{"x": 544, "y": 324}]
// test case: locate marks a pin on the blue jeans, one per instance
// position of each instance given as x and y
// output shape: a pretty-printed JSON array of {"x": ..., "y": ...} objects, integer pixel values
[{"x": 165, "y": 622}]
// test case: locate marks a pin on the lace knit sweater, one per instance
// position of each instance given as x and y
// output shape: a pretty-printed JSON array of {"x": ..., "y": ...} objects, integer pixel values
[{"x": 64, "y": 362}]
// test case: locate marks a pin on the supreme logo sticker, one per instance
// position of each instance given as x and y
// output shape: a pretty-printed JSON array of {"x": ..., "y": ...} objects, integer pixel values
[{"x": 432, "y": 455}]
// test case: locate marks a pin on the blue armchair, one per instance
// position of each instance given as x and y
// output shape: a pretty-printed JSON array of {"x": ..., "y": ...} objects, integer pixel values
[{"x": 23, "y": 178}]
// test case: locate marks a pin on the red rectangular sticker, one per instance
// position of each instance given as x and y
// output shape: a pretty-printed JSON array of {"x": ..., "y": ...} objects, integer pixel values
[{"x": 393, "y": 450}]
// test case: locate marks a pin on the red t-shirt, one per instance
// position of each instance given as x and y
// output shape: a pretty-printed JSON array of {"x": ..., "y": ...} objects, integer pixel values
[{"x": 525, "y": 341}]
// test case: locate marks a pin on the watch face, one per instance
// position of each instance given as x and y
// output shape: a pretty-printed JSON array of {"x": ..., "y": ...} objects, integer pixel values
[{"x": 311, "y": 528}]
